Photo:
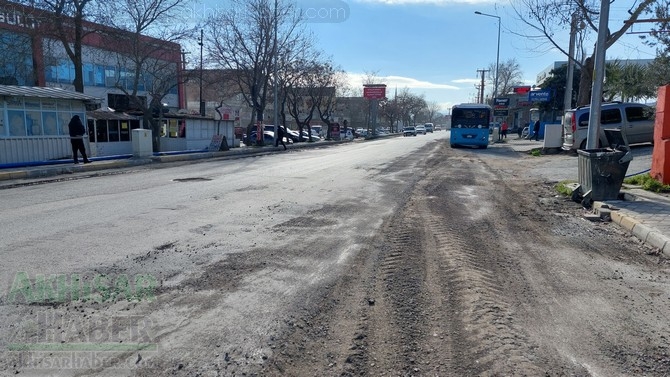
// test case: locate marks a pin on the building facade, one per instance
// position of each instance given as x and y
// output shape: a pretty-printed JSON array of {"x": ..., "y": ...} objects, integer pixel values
[{"x": 115, "y": 94}]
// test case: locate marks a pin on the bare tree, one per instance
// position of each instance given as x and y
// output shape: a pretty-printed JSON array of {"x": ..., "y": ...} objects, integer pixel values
[
  {"x": 554, "y": 17},
  {"x": 432, "y": 109},
  {"x": 67, "y": 25},
  {"x": 243, "y": 39},
  {"x": 509, "y": 76},
  {"x": 327, "y": 101},
  {"x": 143, "y": 62}
]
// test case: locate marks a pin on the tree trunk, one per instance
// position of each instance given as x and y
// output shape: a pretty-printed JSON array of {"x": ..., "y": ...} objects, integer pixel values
[
  {"x": 585, "y": 83},
  {"x": 77, "y": 61}
]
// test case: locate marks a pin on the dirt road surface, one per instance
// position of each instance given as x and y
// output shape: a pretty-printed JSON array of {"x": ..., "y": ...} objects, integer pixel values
[
  {"x": 481, "y": 271},
  {"x": 486, "y": 273}
]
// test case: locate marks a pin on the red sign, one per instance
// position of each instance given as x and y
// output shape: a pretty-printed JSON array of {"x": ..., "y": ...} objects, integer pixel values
[
  {"x": 374, "y": 92},
  {"x": 521, "y": 89}
]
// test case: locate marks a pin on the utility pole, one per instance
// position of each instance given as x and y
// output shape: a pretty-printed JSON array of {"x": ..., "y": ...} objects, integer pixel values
[
  {"x": 202, "y": 103},
  {"x": 482, "y": 86},
  {"x": 593, "y": 130}
]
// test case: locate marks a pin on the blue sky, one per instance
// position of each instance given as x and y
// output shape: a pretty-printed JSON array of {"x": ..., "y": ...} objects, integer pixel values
[{"x": 435, "y": 47}]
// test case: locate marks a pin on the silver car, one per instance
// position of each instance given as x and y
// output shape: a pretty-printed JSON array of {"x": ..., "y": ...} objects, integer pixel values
[{"x": 635, "y": 120}]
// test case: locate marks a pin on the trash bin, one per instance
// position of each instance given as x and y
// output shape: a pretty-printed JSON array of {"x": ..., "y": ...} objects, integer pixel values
[{"x": 602, "y": 171}]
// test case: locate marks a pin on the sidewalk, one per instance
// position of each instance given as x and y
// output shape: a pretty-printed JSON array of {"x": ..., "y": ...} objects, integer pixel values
[{"x": 643, "y": 213}]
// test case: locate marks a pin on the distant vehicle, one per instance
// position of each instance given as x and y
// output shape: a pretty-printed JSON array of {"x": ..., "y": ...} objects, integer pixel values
[
  {"x": 318, "y": 129},
  {"x": 470, "y": 125},
  {"x": 429, "y": 127},
  {"x": 635, "y": 120},
  {"x": 409, "y": 131},
  {"x": 305, "y": 136},
  {"x": 438, "y": 128},
  {"x": 348, "y": 135},
  {"x": 268, "y": 138},
  {"x": 420, "y": 130},
  {"x": 361, "y": 132}
]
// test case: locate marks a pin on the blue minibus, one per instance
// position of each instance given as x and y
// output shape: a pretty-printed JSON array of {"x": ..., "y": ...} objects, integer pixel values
[{"x": 470, "y": 125}]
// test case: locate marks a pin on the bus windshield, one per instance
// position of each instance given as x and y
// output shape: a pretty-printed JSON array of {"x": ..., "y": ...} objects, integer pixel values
[
  {"x": 470, "y": 125},
  {"x": 471, "y": 117}
]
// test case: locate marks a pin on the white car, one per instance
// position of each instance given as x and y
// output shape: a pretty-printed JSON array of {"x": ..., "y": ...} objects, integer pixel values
[
  {"x": 348, "y": 135},
  {"x": 421, "y": 130}
]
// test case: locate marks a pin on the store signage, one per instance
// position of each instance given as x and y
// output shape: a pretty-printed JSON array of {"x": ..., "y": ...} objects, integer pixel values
[
  {"x": 17, "y": 18},
  {"x": 374, "y": 92},
  {"x": 501, "y": 103},
  {"x": 521, "y": 89},
  {"x": 543, "y": 95}
]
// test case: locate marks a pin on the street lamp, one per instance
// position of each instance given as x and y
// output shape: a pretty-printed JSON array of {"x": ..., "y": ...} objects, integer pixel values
[
  {"x": 202, "y": 103},
  {"x": 495, "y": 85}
]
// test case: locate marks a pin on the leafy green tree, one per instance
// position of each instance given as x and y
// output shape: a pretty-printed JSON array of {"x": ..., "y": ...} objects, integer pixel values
[
  {"x": 556, "y": 83},
  {"x": 627, "y": 82},
  {"x": 659, "y": 69}
]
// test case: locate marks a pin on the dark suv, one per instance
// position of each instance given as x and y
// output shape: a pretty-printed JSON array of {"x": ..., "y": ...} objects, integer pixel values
[{"x": 635, "y": 120}]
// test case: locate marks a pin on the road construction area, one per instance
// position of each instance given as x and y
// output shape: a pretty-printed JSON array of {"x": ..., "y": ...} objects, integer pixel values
[{"x": 393, "y": 257}]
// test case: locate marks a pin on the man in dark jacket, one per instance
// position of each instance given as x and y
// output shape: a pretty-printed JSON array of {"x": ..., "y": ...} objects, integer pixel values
[
  {"x": 77, "y": 131},
  {"x": 536, "y": 130},
  {"x": 280, "y": 137}
]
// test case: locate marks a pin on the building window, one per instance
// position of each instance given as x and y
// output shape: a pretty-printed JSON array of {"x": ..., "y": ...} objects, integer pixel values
[
  {"x": 34, "y": 123},
  {"x": 17, "y": 122},
  {"x": 16, "y": 60},
  {"x": 101, "y": 131},
  {"x": 50, "y": 123}
]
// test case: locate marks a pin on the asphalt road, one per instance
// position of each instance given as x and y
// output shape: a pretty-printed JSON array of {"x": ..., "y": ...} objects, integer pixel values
[{"x": 398, "y": 256}]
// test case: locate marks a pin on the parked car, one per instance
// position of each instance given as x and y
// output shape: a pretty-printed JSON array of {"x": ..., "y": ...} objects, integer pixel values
[
  {"x": 268, "y": 138},
  {"x": 429, "y": 127},
  {"x": 348, "y": 135},
  {"x": 294, "y": 136},
  {"x": 635, "y": 120},
  {"x": 305, "y": 136},
  {"x": 420, "y": 130},
  {"x": 409, "y": 131}
]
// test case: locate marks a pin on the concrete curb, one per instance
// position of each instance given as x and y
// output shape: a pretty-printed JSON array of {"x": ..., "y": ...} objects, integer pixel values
[{"x": 644, "y": 233}]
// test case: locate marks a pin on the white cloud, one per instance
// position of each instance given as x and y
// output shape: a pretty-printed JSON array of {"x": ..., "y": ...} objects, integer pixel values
[
  {"x": 467, "y": 81},
  {"x": 356, "y": 80}
]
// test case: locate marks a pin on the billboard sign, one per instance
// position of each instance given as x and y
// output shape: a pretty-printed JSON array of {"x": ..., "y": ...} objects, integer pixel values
[
  {"x": 543, "y": 95},
  {"x": 374, "y": 92},
  {"x": 501, "y": 103}
]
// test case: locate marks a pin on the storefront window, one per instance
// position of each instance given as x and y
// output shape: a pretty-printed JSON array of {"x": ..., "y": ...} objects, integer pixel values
[
  {"x": 113, "y": 129},
  {"x": 101, "y": 133},
  {"x": 34, "y": 123},
  {"x": 50, "y": 123},
  {"x": 63, "y": 121},
  {"x": 17, "y": 122},
  {"x": 125, "y": 131}
]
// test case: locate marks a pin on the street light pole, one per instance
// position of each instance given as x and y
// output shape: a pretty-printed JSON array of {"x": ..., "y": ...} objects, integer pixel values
[
  {"x": 495, "y": 84},
  {"x": 202, "y": 104}
]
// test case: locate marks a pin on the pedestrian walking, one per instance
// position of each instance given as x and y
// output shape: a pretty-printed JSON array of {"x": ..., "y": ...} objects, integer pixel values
[
  {"x": 280, "y": 137},
  {"x": 536, "y": 130},
  {"x": 77, "y": 132},
  {"x": 503, "y": 130}
]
